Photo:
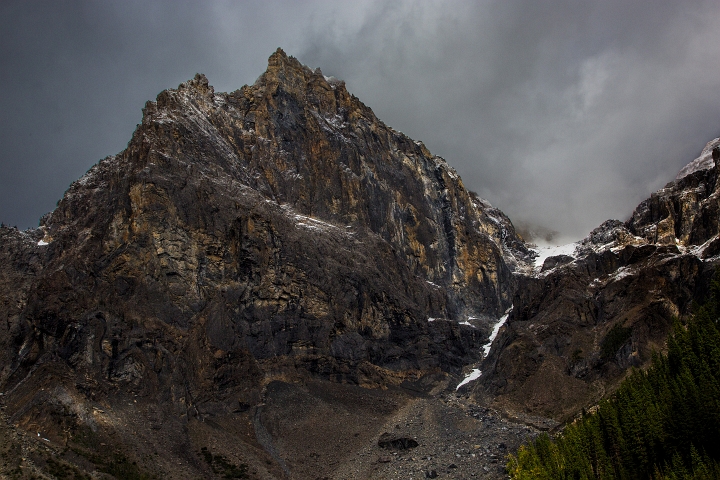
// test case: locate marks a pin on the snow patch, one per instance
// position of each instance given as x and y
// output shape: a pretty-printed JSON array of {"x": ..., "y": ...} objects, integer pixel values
[
  {"x": 495, "y": 331},
  {"x": 332, "y": 124},
  {"x": 477, "y": 373},
  {"x": 621, "y": 273},
  {"x": 635, "y": 241},
  {"x": 311, "y": 223},
  {"x": 698, "y": 251},
  {"x": 42, "y": 243},
  {"x": 474, "y": 375},
  {"x": 546, "y": 252}
]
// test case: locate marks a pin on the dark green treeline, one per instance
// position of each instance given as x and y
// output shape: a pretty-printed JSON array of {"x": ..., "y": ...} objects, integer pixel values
[{"x": 663, "y": 423}]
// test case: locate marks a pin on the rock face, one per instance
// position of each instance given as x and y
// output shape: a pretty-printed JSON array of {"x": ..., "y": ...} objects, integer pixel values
[
  {"x": 277, "y": 232},
  {"x": 280, "y": 221},
  {"x": 581, "y": 320}
]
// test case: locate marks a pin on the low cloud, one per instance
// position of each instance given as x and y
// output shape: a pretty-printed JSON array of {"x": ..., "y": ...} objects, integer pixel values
[{"x": 561, "y": 115}]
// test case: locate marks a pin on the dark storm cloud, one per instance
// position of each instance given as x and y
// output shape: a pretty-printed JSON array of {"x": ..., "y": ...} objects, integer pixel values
[{"x": 560, "y": 113}]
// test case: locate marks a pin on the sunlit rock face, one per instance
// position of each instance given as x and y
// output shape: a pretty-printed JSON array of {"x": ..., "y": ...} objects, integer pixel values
[
  {"x": 604, "y": 304},
  {"x": 274, "y": 232}
]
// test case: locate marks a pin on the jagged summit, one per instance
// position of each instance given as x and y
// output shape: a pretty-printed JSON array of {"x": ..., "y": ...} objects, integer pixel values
[
  {"x": 284, "y": 68},
  {"x": 306, "y": 143}
]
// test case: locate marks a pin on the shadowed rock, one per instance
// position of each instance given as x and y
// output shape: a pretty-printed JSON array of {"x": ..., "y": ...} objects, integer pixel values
[{"x": 396, "y": 442}]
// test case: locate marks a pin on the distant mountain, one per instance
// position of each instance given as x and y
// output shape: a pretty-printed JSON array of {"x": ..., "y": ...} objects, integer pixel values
[{"x": 276, "y": 255}]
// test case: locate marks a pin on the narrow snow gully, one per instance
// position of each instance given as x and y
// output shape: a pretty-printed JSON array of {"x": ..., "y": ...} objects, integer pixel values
[{"x": 476, "y": 373}]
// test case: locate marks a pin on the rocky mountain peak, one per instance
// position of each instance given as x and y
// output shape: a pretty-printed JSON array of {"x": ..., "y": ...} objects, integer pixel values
[
  {"x": 277, "y": 231},
  {"x": 708, "y": 159},
  {"x": 684, "y": 212},
  {"x": 604, "y": 304},
  {"x": 287, "y": 77},
  {"x": 301, "y": 139},
  {"x": 280, "y": 57}
]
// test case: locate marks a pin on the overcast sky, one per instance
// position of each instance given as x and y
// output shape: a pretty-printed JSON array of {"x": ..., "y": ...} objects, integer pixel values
[{"x": 561, "y": 113}]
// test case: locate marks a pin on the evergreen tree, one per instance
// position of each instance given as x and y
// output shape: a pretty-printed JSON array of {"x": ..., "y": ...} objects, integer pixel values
[{"x": 660, "y": 424}]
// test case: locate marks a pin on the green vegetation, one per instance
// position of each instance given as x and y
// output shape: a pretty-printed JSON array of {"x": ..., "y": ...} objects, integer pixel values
[
  {"x": 616, "y": 338},
  {"x": 661, "y": 424}
]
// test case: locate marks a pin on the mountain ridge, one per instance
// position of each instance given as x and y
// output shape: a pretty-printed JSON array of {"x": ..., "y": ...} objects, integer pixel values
[
  {"x": 247, "y": 245},
  {"x": 635, "y": 276}
]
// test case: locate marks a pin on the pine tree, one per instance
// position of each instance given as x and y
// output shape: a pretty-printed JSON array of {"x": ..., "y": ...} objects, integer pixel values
[{"x": 672, "y": 411}]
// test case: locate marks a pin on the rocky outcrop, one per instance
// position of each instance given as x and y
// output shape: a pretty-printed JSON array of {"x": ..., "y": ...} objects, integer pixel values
[
  {"x": 581, "y": 320},
  {"x": 392, "y": 441},
  {"x": 280, "y": 220},
  {"x": 685, "y": 212},
  {"x": 22, "y": 264}
]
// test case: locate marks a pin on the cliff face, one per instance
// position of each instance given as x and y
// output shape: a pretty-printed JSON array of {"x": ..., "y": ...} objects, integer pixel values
[
  {"x": 276, "y": 232},
  {"x": 584, "y": 317}
]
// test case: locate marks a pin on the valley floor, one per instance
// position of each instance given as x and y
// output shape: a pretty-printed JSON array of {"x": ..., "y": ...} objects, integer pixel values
[
  {"x": 456, "y": 440},
  {"x": 317, "y": 430}
]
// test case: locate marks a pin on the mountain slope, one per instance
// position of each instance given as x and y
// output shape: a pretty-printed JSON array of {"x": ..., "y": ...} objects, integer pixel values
[
  {"x": 276, "y": 233},
  {"x": 581, "y": 320}
]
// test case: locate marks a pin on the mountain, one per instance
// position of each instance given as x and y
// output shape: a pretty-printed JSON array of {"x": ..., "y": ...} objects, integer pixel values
[
  {"x": 272, "y": 283},
  {"x": 278, "y": 232},
  {"x": 585, "y": 316}
]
